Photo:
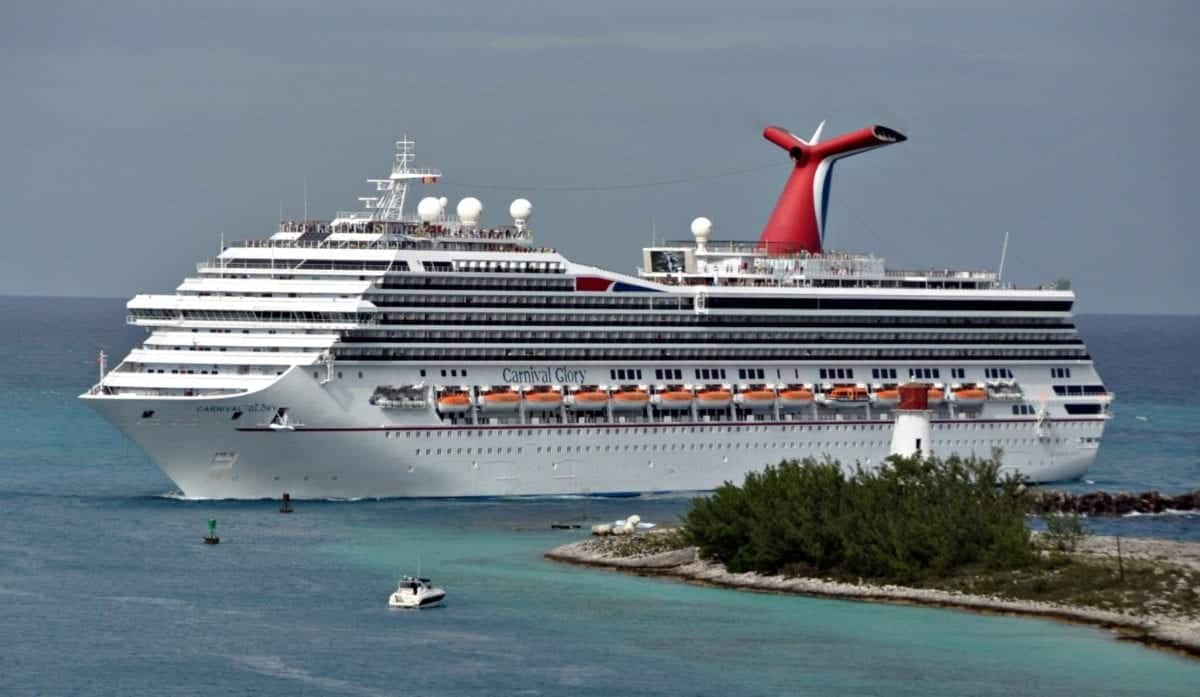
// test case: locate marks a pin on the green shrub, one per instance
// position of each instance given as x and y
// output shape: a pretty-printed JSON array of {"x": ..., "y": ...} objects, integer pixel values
[
  {"x": 1064, "y": 532},
  {"x": 910, "y": 518}
]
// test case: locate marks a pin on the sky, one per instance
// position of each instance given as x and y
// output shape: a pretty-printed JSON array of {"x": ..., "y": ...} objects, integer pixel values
[{"x": 134, "y": 134}]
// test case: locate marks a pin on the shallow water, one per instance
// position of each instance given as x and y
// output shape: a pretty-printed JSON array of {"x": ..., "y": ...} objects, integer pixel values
[{"x": 105, "y": 587}]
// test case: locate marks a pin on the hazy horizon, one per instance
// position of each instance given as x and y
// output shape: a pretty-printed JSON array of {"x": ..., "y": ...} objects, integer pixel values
[{"x": 136, "y": 134}]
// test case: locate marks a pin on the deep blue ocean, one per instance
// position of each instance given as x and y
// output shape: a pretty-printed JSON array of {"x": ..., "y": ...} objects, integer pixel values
[{"x": 106, "y": 589}]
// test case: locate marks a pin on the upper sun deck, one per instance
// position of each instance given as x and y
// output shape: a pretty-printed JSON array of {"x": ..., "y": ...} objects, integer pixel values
[
  {"x": 364, "y": 232},
  {"x": 705, "y": 263}
]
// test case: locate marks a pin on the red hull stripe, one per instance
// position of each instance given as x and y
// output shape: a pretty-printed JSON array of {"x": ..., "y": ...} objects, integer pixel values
[{"x": 592, "y": 283}]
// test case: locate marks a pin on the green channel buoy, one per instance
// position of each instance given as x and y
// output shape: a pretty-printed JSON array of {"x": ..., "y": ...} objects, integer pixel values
[{"x": 211, "y": 538}]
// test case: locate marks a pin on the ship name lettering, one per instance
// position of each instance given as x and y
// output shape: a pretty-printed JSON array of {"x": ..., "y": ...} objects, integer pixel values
[{"x": 544, "y": 375}]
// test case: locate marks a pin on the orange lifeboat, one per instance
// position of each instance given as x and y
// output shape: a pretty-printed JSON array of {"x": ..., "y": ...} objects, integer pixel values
[
  {"x": 936, "y": 396},
  {"x": 674, "y": 399},
  {"x": 630, "y": 399},
  {"x": 499, "y": 401},
  {"x": 715, "y": 398},
  {"x": 886, "y": 398},
  {"x": 969, "y": 396},
  {"x": 454, "y": 403},
  {"x": 588, "y": 399},
  {"x": 759, "y": 398},
  {"x": 847, "y": 396},
  {"x": 794, "y": 398},
  {"x": 543, "y": 400}
]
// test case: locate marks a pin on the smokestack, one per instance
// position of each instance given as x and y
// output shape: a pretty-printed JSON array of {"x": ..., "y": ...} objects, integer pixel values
[{"x": 798, "y": 222}]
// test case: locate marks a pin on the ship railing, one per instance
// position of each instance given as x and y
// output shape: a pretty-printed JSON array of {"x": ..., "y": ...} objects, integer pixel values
[{"x": 416, "y": 240}]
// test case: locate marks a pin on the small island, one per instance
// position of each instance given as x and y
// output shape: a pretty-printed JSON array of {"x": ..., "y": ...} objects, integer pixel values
[{"x": 941, "y": 532}]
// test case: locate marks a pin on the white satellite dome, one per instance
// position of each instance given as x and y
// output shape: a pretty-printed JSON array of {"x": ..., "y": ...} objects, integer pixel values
[
  {"x": 520, "y": 209},
  {"x": 443, "y": 201},
  {"x": 429, "y": 209},
  {"x": 469, "y": 210},
  {"x": 702, "y": 230}
]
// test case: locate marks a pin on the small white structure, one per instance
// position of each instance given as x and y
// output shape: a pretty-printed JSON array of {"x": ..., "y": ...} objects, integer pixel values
[
  {"x": 520, "y": 210},
  {"x": 911, "y": 434},
  {"x": 469, "y": 210},
  {"x": 702, "y": 230},
  {"x": 429, "y": 209}
]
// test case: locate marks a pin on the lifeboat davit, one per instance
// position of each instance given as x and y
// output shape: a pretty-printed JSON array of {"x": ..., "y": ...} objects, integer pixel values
[
  {"x": 795, "y": 398},
  {"x": 718, "y": 398},
  {"x": 847, "y": 397},
  {"x": 677, "y": 399},
  {"x": 499, "y": 402},
  {"x": 886, "y": 398},
  {"x": 760, "y": 398},
  {"x": 588, "y": 399},
  {"x": 454, "y": 403},
  {"x": 968, "y": 396},
  {"x": 630, "y": 399},
  {"x": 543, "y": 400}
]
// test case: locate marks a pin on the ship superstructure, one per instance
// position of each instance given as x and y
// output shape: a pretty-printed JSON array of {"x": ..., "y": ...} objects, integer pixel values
[{"x": 378, "y": 354}]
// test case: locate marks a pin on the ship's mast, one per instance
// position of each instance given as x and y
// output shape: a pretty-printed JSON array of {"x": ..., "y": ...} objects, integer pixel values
[{"x": 390, "y": 204}]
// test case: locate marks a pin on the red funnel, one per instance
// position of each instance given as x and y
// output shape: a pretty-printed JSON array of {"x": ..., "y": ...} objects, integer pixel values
[{"x": 798, "y": 222}]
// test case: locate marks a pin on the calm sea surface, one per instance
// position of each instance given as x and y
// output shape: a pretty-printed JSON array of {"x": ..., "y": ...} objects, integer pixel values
[{"x": 106, "y": 589}]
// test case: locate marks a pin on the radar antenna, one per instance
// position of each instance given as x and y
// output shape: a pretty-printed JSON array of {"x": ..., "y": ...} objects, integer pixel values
[{"x": 389, "y": 205}]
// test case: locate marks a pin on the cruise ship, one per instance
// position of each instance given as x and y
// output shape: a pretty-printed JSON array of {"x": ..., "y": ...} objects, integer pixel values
[{"x": 382, "y": 354}]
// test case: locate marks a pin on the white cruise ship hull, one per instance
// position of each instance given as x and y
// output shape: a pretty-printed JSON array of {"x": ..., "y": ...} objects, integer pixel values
[{"x": 342, "y": 447}]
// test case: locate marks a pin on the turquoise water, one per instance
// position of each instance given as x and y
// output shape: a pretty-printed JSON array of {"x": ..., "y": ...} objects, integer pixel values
[{"x": 105, "y": 587}]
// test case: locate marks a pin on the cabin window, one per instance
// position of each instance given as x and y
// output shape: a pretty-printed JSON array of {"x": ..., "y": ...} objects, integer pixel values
[{"x": 148, "y": 414}]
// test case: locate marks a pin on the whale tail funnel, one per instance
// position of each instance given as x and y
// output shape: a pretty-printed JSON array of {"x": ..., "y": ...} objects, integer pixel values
[{"x": 798, "y": 222}]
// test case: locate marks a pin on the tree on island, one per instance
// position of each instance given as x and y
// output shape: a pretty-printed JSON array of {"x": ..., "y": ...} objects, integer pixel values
[{"x": 911, "y": 518}]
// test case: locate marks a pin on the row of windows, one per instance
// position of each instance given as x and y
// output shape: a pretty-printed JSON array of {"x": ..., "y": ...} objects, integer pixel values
[
  {"x": 820, "y": 446},
  {"x": 1076, "y": 390},
  {"x": 883, "y": 373},
  {"x": 997, "y": 373},
  {"x": 837, "y": 373},
  {"x": 293, "y": 263},
  {"x": 668, "y": 374},
  {"x": 926, "y": 305},
  {"x": 575, "y": 433},
  {"x": 1060, "y": 372},
  {"x": 1023, "y": 410},
  {"x": 625, "y": 374},
  {"x": 574, "y": 336},
  {"x": 474, "y": 283},
  {"x": 958, "y": 373},
  {"x": 924, "y": 373},
  {"x": 751, "y": 374},
  {"x": 715, "y": 320},
  {"x": 735, "y": 303},
  {"x": 710, "y": 373},
  {"x": 654, "y": 354},
  {"x": 248, "y": 316}
]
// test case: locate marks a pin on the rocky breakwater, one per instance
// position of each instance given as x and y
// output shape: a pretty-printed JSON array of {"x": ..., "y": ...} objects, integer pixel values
[
  {"x": 1102, "y": 503},
  {"x": 1164, "y": 622}
]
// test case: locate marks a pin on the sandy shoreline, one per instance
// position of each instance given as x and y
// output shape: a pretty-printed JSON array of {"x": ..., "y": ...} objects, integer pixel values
[{"x": 1179, "y": 634}]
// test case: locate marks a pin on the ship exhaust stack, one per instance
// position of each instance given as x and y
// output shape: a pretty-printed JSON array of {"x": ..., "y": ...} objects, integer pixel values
[{"x": 798, "y": 222}]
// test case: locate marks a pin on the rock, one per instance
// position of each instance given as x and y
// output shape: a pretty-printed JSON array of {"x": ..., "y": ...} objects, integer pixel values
[{"x": 1101, "y": 503}]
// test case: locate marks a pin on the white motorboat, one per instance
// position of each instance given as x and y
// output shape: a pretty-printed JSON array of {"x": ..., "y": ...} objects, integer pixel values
[{"x": 416, "y": 593}]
